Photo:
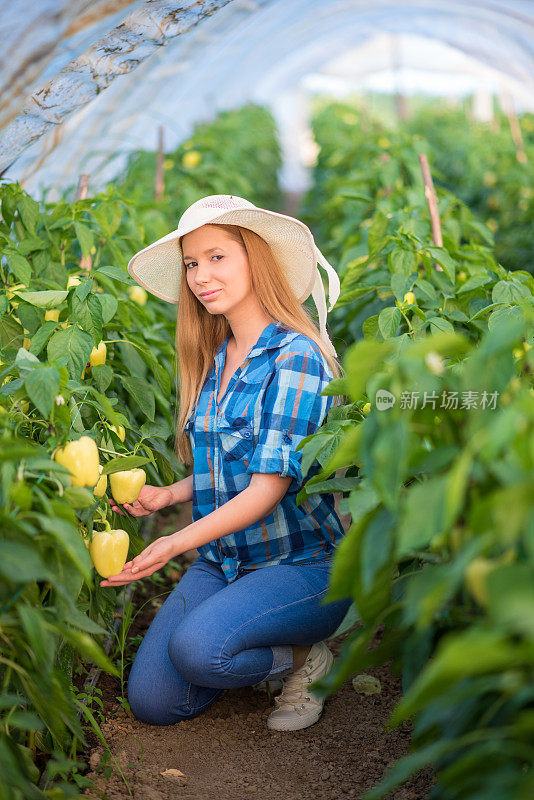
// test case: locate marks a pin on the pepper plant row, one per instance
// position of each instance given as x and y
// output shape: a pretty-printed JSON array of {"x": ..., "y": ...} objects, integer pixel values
[
  {"x": 85, "y": 354},
  {"x": 437, "y": 440}
]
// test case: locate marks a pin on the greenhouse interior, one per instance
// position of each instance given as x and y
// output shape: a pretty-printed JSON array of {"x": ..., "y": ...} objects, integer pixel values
[{"x": 363, "y": 172}]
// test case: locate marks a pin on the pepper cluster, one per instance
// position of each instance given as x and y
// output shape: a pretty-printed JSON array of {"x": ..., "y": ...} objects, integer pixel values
[{"x": 108, "y": 548}]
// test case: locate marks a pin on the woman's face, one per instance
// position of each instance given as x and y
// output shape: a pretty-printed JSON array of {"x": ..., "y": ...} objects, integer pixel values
[{"x": 215, "y": 262}]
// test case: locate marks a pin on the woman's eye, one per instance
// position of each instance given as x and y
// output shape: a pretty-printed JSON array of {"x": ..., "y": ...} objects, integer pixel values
[{"x": 190, "y": 264}]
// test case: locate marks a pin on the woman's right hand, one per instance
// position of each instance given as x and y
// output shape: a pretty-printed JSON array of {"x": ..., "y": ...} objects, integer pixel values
[{"x": 150, "y": 499}]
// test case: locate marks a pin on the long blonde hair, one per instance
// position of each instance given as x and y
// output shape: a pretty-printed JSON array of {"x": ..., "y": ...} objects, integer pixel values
[{"x": 198, "y": 333}]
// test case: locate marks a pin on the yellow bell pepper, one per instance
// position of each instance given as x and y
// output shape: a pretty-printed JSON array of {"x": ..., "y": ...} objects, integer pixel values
[
  {"x": 101, "y": 486},
  {"x": 191, "y": 159},
  {"x": 137, "y": 294},
  {"x": 109, "y": 549},
  {"x": 98, "y": 354},
  {"x": 409, "y": 297},
  {"x": 121, "y": 433},
  {"x": 82, "y": 459},
  {"x": 52, "y": 313},
  {"x": 73, "y": 281},
  {"x": 126, "y": 484}
]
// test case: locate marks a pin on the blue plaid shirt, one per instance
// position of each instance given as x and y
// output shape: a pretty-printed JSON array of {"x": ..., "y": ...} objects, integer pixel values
[{"x": 272, "y": 402}]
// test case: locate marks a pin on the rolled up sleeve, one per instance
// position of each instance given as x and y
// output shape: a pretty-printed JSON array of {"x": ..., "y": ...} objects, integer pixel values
[{"x": 292, "y": 409}]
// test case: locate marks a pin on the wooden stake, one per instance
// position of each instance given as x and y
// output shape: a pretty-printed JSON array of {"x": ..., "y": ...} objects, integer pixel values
[
  {"x": 81, "y": 193},
  {"x": 159, "y": 182},
  {"x": 83, "y": 184},
  {"x": 430, "y": 194},
  {"x": 507, "y": 105}
]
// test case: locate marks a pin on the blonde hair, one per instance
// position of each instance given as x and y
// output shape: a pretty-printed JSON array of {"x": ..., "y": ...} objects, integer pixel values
[{"x": 199, "y": 333}]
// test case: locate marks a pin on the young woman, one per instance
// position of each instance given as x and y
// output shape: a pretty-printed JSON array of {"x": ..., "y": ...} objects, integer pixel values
[{"x": 252, "y": 370}]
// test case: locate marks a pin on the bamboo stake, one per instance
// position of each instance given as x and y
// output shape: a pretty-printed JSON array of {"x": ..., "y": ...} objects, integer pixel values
[
  {"x": 81, "y": 193},
  {"x": 83, "y": 184},
  {"x": 430, "y": 194},
  {"x": 159, "y": 182},
  {"x": 507, "y": 105}
]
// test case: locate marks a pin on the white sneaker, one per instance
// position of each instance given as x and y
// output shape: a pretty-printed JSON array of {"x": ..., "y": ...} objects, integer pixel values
[{"x": 296, "y": 706}]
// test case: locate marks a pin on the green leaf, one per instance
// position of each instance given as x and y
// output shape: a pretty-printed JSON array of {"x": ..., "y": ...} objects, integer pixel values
[
  {"x": 42, "y": 385},
  {"x": 389, "y": 320},
  {"x": 376, "y": 238},
  {"x": 402, "y": 261},
  {"x": 88, "y": 314},
  {"x": 443, "y": 258},
  {"x": 483, "y": 230},
  {"x": 79, "y": 497},
  {"x": 102, "y": 376},
  {"x": 85, "y": 237},
  {"x": 83, "y": 622},
  {"x": 25, "y": 721},
  {"x": 461, "y": 655},
  {"x": 440, "y": 324},
  {"x": 141, "y": 393},
  {"x": 22, "y": 563},
  {"x": 30, "y": 244},
  {"x": 50, "y": 298},
  {"x": 28, "y": 209},
  {"x": 345, "y": 455},
  {"x": 70, "y": 542},
  {"x": 71, "y": 348},
  {"x": 376, "y": 547},
  {"x": 19, "y": 266},
  {"x": 158, "y": 430},
  {"x": 475, "y": 282},
  {"x": 362, "y": 360},
  {"x": 511, "y": 598},
  {"x": 117, "y": 273},
  {"x": 41, "y": 641},
  {"x": 123, "y": 463},
  {"x": 40, "y": 338},
  {"x": 511, "y": 291},
  {"x": 108, "y": 216},
  {"x": 401, "y": 284},
  {"x": 417, "y": 529},
  {"x": 87, "y": 646},
  {"x": 370, "y": 327},
  {"x": 109, "y": 307},
  {"x": 362, "y": 499}
]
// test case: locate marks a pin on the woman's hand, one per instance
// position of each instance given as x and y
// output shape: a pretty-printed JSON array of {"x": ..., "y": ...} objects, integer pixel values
[
  {"x": 150, "y": 499},
  {"x": 149, "y": 560}
]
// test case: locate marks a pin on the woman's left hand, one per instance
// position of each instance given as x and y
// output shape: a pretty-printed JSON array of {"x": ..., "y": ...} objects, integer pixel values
[{"x": 149, "y": 560}]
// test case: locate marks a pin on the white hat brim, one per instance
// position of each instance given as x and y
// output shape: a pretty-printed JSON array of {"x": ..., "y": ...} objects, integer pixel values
[{"x": 157, "y": 268}]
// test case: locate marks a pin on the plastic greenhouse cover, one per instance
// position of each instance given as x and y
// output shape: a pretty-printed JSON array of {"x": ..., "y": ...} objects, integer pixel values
[{"x": 84, "y": 83}]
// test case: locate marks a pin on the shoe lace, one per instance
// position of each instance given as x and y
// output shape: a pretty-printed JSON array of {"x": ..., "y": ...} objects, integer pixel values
[{"x": 293, "y": 691}]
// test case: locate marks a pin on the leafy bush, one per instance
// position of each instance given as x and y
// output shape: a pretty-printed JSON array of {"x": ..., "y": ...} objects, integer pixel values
[{"x": 439, "y": 556}]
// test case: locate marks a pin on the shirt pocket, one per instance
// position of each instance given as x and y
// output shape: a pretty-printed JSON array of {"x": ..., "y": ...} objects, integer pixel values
[{"x": 236, "y": 437}]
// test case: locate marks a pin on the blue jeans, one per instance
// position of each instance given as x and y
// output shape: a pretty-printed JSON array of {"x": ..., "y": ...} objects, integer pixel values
[{"x": 210, "y": 635}]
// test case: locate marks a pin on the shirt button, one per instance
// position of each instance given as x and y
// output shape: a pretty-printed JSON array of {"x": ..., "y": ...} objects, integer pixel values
[{"x": 247, "y": 434}]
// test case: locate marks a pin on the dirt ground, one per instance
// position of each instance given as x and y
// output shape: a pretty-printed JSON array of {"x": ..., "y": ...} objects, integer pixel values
[{"x": 228, "y": 753}]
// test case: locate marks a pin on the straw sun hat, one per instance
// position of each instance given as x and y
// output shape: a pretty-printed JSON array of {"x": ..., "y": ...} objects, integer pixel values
[{"x": 157, "y": 267}]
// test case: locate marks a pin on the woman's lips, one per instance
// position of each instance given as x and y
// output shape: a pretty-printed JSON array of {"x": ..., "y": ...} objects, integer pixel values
[{"x": 210, "y": 295}]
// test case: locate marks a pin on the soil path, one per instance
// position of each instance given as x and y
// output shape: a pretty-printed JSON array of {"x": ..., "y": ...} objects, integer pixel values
[{"x": 228, "y": 753}]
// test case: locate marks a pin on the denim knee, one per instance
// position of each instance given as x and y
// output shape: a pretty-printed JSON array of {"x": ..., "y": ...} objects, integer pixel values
[
  {"x": 190, "y": 655},
  {"x": 152, "y": 706}
]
